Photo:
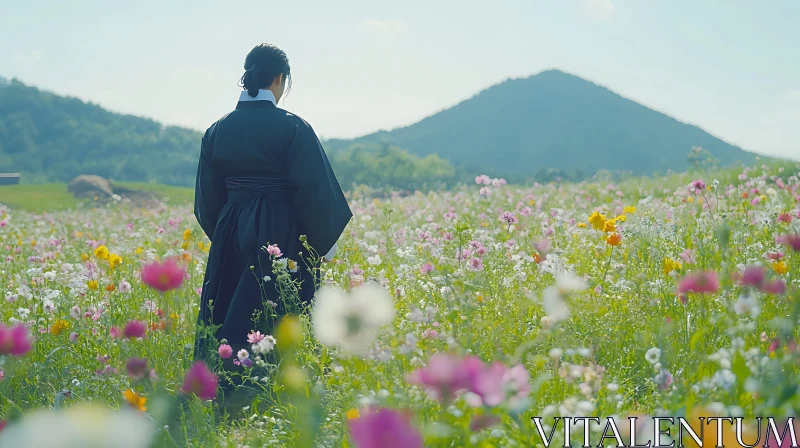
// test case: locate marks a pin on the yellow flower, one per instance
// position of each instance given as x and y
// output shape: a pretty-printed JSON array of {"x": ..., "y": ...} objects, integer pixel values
[
  {"x": 531, "y": 202},
  {"x": 614, "y": 239},
  {"x": 780, "y": 267},
  {"x": 690, "y": 199},
  {"x": 671, "y": 265},
  {"x": 33, "y": 242},
  {"x": 92, "y": 284},
  {"x": 59, "y": 326},
  {"x": 114, "y": 260},
  {"x": 173, "y": 315},
  {"x": 158, "y": 240},
  {"x": 78, "y": 234},
  {"x": 187, "y": 234},
  {"x": 479, "y": 297},
  {"x": 630, "y": 209},
  {"x": 620, "y": 218},
  {"x": 352, "y": 414},
  {"x": 135, "y": 400},
  {"x": 84, "y": 257},
  {"x": 610, "y": 226},
  {"x": 582, "y": 225},
  {"x": 101, "y": 252},
  {"x": 292, "y": 265},
  {"x": 289, "y": 333},
  {"x": 597, "y": 220},
  {"x": 139, "y": 250},
  {"x": 185, "y": 245},
  {"x": 200, "y": 245}
]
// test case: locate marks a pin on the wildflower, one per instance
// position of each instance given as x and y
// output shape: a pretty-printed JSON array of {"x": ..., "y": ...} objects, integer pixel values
[
  {"x": 653, "y": 355},
  {"x": 101, "y": 252},
  {"x": 264, "y": 346},
  {"x": 352, "y": 414},
  {"x": 780, "y": 267},
  {"x": 255, "y": 337},
  {"x": 225, "y": 351},
  {"x": 59, "y": 326},
  {"x": 187, "y": 234},
  {"x": 476, "y": 264},
  {"x": 92, "y": 284},
  {"x": 200, "y": 381},
  {"x": 447, "y": 374},
  {"x": 597, "y": 220},
  {"x": 610, "y": 226},
  {"x": 426, "y": 268},
  {"x": 114, "y": 260},
  {"x": 292, "y": 265},
  {"x": 630, "y": 209},
  {"x": 777, "y": 287},
  {"x": 752, "y": 276},
  {"x": 242, "y": 355},
  {"x": 785, "y": 218},
  {"x": 14, "y": 341},
  {"x": 163, "y": 276},
  {"x": 137, "y": 367},
  {"x": 509, "y": 218},
  {"x": 699, "y": 282},
  {"x": 792, "y": 241},
  {"x": 697, "y": 186},
  {"x": 351, "y": 321},
  {"x": 115, "y": 332},
  {"x": 135, "y": 400},
  {"x": 134, "y": 329},
  {"x": 671, "y": 265},
  {"x": 614, "y": 239},
  {"x": 384, "y": 428},
  {"x": 274, "y": 250}
]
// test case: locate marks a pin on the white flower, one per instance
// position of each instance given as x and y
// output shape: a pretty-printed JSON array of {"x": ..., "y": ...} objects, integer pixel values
[
  {"x": 242, "y": 355},
  {"x": 554, "y": 306},
  {"x": 374, "y": 260},
  {"x": 351, "y": 321},
  {"x": 724, "y": 378},
  {"x": 264, "y": 346},
  {"x": 555, "y": 353},
  {"x": 568, "y": 282},
  {"x": 747, "y": 304},
  {"x": 124, "y": 287},
  {"x": 653, "y": 355}
]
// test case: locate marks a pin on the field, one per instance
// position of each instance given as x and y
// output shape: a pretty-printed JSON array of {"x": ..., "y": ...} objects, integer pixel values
[
  {"x": 495, "y": 303},
  {"x": 40, "y": 198}
]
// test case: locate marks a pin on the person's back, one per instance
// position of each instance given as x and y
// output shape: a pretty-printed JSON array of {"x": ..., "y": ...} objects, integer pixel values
[{"x": 263, "y": 181}]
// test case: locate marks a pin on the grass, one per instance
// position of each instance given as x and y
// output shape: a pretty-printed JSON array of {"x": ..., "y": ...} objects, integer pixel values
[{"x": 38, "y": 198}]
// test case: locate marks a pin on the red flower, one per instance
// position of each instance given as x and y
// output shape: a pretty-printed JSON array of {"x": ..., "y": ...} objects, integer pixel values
[
  {"x": 163, "y": 276},
  {"x": 200, "y": 381}
]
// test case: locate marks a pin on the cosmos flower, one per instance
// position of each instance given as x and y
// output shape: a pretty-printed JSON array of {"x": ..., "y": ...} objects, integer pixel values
[
  {"x": 14, "y": 341},
  {"x": 446, "y": 375},
  {"x": 163, "y": 276},
  {"x": 351, "y": 321},
  {"x": 699, "y": 282},
  {"x": 384, "y": 428},
  {"x": 274, "y": 250},
  {"x": 200, "y": 381}
]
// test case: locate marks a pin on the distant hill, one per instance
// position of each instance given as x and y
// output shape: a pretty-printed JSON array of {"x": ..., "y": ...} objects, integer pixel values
[
  {"x": 553, "y": 120},
  {"x": 50, "y": 138}
]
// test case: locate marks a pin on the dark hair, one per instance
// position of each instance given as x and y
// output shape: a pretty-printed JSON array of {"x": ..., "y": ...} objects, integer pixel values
[{"x": 262, "y": 65}]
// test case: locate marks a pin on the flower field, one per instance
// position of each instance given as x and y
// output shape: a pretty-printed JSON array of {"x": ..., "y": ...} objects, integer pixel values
[{"x": 448, "y": 319}]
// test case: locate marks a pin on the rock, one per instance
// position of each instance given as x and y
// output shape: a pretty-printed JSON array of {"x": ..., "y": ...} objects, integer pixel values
[{"x": 87, "y": 186}]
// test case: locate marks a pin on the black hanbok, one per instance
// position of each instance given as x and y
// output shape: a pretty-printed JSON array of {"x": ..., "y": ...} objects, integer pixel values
[{"x": 263, "y": 178}]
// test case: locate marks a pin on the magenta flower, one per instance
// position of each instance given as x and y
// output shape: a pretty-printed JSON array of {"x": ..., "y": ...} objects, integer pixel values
[
  {"x": 200, "y": 381},
  {"x": 792, "y": 241},
  {"x": 777, "y": 287},
  {"x": 699, "y": 282},
  {"x": 698, "y": 186},
  {"x": 489, "y": 384},
  {"x": 137, "y": 368},
  {"x": 384, "y": 428},
  {"x": 476, "y": 264},
  {"x": 14, "y": 341},
  {"x": 255, "y": 338},
  {"x": 753, "y": 276},
  {"x": 163, "y": 276},
  {"x": 225, "y": 351},
  {"x": 134, "y": 329},
  {"x": 446, "y": 374},
  {"x": 115, "y": 332},
  {"x": 426, "y": 268}
]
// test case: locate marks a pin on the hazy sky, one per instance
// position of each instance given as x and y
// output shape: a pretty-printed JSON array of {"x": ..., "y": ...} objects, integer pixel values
[{"x": 730, "y": 66}]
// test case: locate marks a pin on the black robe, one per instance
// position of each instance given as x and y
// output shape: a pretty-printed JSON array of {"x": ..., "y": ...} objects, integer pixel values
[{"x": 263, "y": 178}]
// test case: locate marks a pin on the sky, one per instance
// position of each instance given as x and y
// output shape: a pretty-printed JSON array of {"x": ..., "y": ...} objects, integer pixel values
[{"x": 731, "y": 67}]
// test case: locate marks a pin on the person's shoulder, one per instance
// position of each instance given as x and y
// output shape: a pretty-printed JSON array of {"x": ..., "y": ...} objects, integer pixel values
[{"x": 295, "y": 120}]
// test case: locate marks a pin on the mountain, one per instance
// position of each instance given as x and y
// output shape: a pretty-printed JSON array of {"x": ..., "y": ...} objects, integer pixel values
[
  {"x": 553, "y": 120},
  {"x": 50, "y": 138}
]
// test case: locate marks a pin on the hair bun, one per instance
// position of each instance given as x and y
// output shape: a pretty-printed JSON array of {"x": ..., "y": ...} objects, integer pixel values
[{"x": 250, "y": 81}]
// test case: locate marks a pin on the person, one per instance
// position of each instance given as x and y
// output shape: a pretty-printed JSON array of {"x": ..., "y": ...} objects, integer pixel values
[{"x": 267, "y": 198}]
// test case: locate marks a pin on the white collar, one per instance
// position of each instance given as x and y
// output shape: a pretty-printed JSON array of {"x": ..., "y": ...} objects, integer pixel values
[{"x": 263, "y": 95}]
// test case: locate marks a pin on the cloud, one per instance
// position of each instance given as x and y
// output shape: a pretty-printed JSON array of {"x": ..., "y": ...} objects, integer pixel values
[
  {"x": 599, "y": 9},
  {"x": 385, "y": 26}
]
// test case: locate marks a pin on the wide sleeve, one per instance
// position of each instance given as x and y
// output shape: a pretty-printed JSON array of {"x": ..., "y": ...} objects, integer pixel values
[
  {"x": 209, "y": 191},
  {"x": 318, "y": 201}
]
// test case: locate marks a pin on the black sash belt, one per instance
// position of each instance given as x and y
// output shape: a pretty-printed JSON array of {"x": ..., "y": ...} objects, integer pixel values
[{"x": 246, "y": 189}]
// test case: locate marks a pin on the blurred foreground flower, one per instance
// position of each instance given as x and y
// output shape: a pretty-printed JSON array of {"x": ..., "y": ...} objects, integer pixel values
[
  {"x": 14, "y": 341},
  {"x": 384, "y": 428},
  {"x": 84, "y": 425},
  {"x": 163, "y": 276},
  {"x": 351, "y": 321},
  {"x": 200, "y": 381},
  {"x": 699, "y": 282}
]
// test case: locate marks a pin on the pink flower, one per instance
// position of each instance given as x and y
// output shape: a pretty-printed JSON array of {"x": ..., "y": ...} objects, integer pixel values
[
  {"x": 225, "y": 351},
  {"x": 483, "y": 421},
  {"x": 115, "y": 332},
  {"x": 200, "y": 381},
  {"x": 14, "y": 341},
  {"x": 163, "y": 276},
  {"x": 384, "y": 428},
  {"x": 777, "y": 287},
  {"x": 274, "y": 250},
  {"x": 447, "y": 374},
  {"x": 426, "y": 268},
  {"x": 771, "y": 442},
  {"x": 688, "y": 256},
  {"x": 698, "y": 186},
  {"x": 476, "y": 264},
  {"x": 753, "y": 276},
  {"x": 699, "y": 282},
  {"x": 255, "y": 338},
  {"x": 509, "y": 218},
  {"x": 73, "y": 336},
  {"x": 489, "y": 384},
  {"x": 134, "y": 329},
  {"x": 137, "y": 367},
  {"x": 785, "y": 217},
  {"x": 543, "y": 247},
  {"x": 124, "y": 287},
  {"x": 792, "y": 241}
]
